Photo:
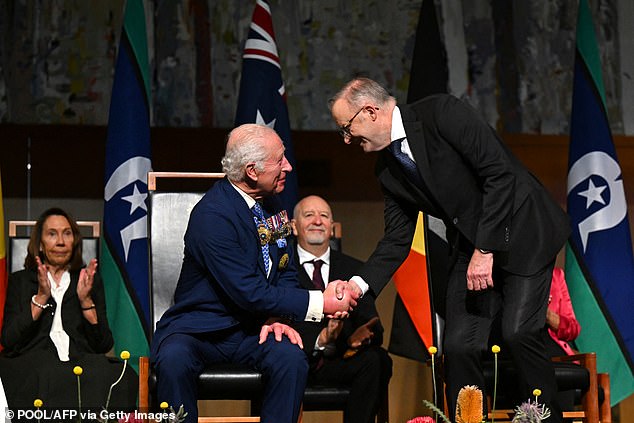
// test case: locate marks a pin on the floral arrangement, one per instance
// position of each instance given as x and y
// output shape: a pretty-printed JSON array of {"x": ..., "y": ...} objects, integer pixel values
[{"x": 470, "y": 400}]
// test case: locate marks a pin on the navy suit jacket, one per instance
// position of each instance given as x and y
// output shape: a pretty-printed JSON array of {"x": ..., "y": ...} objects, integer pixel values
[
  {"x": 223, "y": 283},
  {"x": 485, "y": 196}
]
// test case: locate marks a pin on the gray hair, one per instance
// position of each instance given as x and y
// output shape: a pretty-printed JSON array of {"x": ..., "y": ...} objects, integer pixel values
[
  {"x": 359, "y": 90},
  {"x": 245, "y": 144}
]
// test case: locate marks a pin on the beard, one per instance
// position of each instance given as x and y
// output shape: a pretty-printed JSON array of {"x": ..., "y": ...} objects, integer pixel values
[{"x": 316, "y": 238}]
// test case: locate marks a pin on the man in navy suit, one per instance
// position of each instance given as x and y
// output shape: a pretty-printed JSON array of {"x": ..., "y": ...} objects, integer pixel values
[
  {"x": 345, "y": 352},
  {"x": 439, "y": 156},
  {"x": 238, "y": 285}
]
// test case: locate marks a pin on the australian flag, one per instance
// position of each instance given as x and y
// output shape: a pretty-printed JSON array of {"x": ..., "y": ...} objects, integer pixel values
[
  {"x": 599, "y": 259},
  {"x": 124, "y": 260},
  {"x": 262, "y": 97}
]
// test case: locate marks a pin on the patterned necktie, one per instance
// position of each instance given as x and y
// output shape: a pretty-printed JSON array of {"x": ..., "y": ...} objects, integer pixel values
[
  {"x": 407, "y": 164},
  {"x": 318, "y": 280},
  {"x": 259, "y": 220}
]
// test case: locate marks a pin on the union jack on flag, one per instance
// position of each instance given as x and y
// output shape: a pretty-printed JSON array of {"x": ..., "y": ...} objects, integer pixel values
[{"x": 262, "y": 97}]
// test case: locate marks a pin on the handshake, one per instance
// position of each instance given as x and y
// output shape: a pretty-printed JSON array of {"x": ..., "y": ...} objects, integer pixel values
[{"x": 340, "y": 298}]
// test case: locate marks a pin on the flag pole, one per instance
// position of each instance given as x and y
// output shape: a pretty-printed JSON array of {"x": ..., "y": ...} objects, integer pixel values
[{"x": 28, "y": 178}]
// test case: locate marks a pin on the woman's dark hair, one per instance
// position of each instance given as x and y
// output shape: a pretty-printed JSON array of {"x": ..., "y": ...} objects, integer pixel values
[{"x": 33, "y": 250}]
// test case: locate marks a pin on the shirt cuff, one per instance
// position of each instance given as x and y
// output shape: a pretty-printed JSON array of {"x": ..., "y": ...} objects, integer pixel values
[
  {"x": 315, "y": 310},
  {"x": 319, "y": 347},
  {"x": 361, "y": 284}
]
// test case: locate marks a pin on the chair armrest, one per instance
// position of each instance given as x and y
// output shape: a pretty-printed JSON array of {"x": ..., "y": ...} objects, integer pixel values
[
  {"x": 589, "y": 399},
  {"x": 144, "y": 391},
  {"x": 587, "y": 360},
  {"x": 605, "y": 409}
]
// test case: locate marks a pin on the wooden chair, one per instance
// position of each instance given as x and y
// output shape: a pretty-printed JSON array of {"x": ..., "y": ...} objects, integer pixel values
[
  {"x": 19, "y": 235},
  {"x": 168, "y": 215},
  {"x": 592, "y": 390}
]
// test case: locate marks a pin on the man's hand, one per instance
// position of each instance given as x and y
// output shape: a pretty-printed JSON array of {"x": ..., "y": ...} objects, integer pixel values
[
  {"x": 363, "y": 335},
  {"x": 330, "y": 333},
  {"x": 339, "y": 299},
  {"x": 480, "y": 271},
  {"x": 279, "y": 329},
  {"x": 350, "y": 285}
]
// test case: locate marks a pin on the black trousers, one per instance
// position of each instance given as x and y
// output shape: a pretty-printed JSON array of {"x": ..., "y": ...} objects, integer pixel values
[
  {"x": 367, "y": 373},
  {"x": 522, "y": 302}
]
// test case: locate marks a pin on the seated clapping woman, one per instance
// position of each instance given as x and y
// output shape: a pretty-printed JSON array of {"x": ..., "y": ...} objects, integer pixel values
[{"x": 55, "y": 319}]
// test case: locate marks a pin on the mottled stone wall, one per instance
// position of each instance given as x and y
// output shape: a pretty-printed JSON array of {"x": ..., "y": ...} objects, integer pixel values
[{"x": 511, "y": 59}]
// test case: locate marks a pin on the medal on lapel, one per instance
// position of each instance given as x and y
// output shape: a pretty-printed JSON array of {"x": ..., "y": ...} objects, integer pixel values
[
  {"x": 281, "y": 228},
  {"x": 283, "y": 262},
  {"x": 264, "y": 234}
]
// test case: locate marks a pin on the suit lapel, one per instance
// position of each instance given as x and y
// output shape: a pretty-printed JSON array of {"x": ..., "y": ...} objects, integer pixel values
[{"x": 246, "y": 217}]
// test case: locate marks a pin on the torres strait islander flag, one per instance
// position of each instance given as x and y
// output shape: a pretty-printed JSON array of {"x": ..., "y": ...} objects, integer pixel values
[
  {"x": 262, "y": 97},
  {"x": 124, "y": 261},
  {"x": 599, "y": 259}
]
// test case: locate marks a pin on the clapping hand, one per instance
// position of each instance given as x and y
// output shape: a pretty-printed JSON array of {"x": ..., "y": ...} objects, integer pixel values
[
  {"x": 84, "y": 284},
  {"x": 43, "y": 284},
  {"x": 330, "y": 333},
  {"x": 363, "y": 335}
]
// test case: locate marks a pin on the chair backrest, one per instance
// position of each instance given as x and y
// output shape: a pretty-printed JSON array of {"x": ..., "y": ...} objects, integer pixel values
[
  {"x": 19, "y": 234},
  {"x": 168, "y": 215}
]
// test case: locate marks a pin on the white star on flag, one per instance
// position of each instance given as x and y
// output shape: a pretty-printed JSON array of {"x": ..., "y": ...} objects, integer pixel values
[
  {"x": 136, "y": 200},
  {"x": 260, "y": 120},
  {"x": 592, "y": 194}
]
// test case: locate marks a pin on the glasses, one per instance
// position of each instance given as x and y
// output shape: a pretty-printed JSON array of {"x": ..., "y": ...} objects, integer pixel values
[{"x": 344, "y": 130}]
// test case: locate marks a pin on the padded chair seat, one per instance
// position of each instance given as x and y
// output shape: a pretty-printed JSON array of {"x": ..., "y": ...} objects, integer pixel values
[
  {"x": 240, "y": 382},
  {"x": 224, "y": 381},
  {"x": 318, "y": 398}
]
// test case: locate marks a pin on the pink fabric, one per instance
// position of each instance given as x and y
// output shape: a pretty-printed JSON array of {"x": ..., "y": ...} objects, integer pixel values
[{"x": 560, "y": 303}]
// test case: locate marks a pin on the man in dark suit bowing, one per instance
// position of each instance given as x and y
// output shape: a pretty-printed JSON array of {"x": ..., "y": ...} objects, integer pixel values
[
  {"x": 238, "y": 285},
  {"x": 341, "y": 351},
  {"x": 439, "y": 156}
]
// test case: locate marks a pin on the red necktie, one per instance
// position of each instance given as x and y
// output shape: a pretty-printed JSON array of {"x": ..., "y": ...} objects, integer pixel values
[{"x": 318, "y": 280}]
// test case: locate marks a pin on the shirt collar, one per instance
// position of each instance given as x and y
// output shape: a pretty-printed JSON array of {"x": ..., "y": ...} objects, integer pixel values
[
  {"x": 305, "y": 256},
  {"x": 249, "y": 200},
  {"x": 398, "y": 130}
]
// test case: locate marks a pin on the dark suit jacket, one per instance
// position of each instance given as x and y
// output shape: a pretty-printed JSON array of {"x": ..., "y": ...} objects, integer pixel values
[
  {"x": 21, "y": 334},
  {"x": 342, "y": 267},
  {"x": 223, "y": 283},
  {"x": 482, "y": 192}
]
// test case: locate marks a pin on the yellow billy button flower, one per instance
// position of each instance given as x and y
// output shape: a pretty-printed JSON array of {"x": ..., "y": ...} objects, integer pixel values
[
  {"x": 78, "y": 370},
  {"x": 495, "y": 349},
  {"x": 537, "y": 392},
  {"x": 432, "y": 350},
  {"x": 38, "y": 403},
  {"x": 164, "y": 405},
  {"x": 125, "y": 355}
]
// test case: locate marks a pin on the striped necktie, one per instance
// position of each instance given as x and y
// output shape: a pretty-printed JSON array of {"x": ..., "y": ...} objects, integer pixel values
[{"x": 260, "y": 220}]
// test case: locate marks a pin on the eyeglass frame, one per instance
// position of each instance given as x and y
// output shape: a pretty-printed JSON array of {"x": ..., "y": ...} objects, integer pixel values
[{"x": 344, "y": 130}]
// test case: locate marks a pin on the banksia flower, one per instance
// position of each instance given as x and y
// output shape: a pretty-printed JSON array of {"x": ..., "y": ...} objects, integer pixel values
[{"x": 469, "y": 407}]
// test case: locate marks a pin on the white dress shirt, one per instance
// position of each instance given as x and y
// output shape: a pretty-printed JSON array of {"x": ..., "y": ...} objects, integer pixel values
[
  {"x": 58, "y": 334},
  {"x": 397, "y": 133}
]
